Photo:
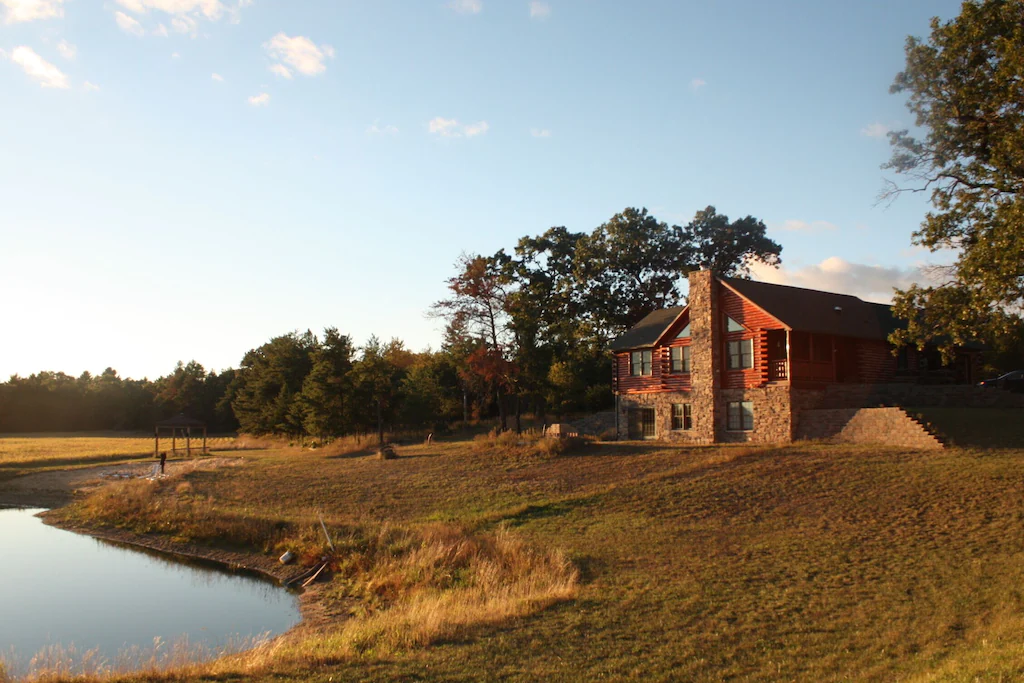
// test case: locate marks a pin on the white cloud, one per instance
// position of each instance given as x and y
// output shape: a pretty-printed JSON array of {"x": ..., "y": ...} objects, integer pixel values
[
  {"x": 281, "y": 70},
  {"x": 697, "y": 83},
  {"x": 90, "y": 87},
  {"x": 161, "y": 31},
  {"x": 261, "y": 100},
  {"x": 129, "y": 24},
  {"x": 67, "y": 50},
  {"x": 875, "y": 130},
  {"x": 175, "y": 55},
  {"x": 451, "y": 128},
  {"x": 540, "y": 132},
  {"x": 539, "y": 10},
  {"x": 377, "y": 129},
  {"x": 184, "y": 15},
  {"x": 466, "y": 6},
  {"x": 38, "y": 69},
  {"x": 835, "y": 274},
  {"x": 217, "y": 77},
  {"x": 185, "y": 24},
  {"x": 298, "y": 52},
  {"x": 804, "y": 226},
  {"x": 29, "y": 10}
]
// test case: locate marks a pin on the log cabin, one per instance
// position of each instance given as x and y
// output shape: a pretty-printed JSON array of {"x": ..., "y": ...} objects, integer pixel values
[{"x": 744, "y": 358}]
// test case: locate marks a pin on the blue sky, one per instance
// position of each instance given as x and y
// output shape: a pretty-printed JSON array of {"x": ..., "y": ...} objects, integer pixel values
[{"x": 183, "y": 179}]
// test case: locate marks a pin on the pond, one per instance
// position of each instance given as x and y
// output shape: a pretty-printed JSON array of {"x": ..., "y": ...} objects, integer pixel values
[{"x": 58, "y": 588}]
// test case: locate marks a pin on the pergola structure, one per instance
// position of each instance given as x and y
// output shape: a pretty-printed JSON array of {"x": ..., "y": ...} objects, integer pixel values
[{"x": 179, "y": 424}]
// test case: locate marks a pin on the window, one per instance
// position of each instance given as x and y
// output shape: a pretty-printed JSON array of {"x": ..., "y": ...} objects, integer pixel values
[
  {"x": 733, "y": 326},
  {"x": 640, "y": 363},
  {"x": 740, "y": 416},
  {"x": 680, "y": 359},
  {"x": 741, "y": 354},
  {"x": 682, "y": 416},
  {"x": 684, "y": 333}
]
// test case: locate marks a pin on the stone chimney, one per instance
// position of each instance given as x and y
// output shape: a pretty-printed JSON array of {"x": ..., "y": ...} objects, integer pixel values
[{"x": 705, "y": 353}]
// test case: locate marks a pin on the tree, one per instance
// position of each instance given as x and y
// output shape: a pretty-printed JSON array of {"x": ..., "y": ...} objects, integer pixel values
[
  {"x": 965, "y": 86},
  {"x": 326, "y": 390}
]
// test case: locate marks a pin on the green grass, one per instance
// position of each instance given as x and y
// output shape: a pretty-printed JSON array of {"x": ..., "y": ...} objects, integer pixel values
[{"x": 810, "y": 562}]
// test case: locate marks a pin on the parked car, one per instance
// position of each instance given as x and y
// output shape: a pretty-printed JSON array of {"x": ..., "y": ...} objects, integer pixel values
[{"x": 1011, "y": 381}]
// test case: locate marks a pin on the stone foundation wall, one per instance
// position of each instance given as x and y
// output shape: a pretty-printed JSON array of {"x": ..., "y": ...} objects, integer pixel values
[
  {"x": 595, "y": 424},
  {"x": 773, "y": 417},
  {"x": 889, "y": 426},
  {"x": 662, "y": 404}
]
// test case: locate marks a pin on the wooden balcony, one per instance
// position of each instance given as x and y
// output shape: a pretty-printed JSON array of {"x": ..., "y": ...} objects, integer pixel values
[{"x": 778, "y": 370}]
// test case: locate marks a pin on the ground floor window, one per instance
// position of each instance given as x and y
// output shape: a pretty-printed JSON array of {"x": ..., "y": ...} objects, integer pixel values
[
  {"x": 641, "y": 423},
  {"x": 682, "y": 416},
  {"x": 740, "y": 416}
]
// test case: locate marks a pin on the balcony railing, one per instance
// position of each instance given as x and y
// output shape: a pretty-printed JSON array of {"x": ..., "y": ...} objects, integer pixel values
[{"x": 778, "y": 370}]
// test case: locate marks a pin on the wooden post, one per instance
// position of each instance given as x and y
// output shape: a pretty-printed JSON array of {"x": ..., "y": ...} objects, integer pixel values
[
  {"x": 204, "y": 440},
  {"x": 380, "y": 424},
  {"x": 174, "y": 439},
  {"x": 156, "y": 442},
  {"x": 188, "y": 441}
]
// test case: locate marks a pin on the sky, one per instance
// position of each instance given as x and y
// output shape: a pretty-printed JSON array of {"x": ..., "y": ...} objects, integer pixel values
[{"x": 185, "y": 179}]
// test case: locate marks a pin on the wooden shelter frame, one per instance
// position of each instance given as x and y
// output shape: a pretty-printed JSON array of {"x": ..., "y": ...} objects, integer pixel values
[{"x": 179, "y": 423}]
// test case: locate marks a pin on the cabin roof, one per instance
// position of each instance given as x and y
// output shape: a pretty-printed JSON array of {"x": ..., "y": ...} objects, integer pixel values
[
  {"x": 812, "y": 310},
  {"x": 646, "y": 332}
]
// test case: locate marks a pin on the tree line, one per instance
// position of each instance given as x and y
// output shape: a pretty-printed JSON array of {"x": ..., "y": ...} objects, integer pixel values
[{"x": 525, "y": 331}]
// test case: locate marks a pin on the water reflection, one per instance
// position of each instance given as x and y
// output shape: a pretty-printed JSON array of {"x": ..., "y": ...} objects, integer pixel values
[{"x": 62, "y": 590}]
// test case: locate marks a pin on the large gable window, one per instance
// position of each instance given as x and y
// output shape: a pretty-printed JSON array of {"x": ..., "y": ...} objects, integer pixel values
[
  {"x": 684, "y": 333},
  {"x": 680, "y": 359},
  {"x": 741, "y": 354},
  {"x": 733, "y": 326},
  {"x": 640, "y": 363}
]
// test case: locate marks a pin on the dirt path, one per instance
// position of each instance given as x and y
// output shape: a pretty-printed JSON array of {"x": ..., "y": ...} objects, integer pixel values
[{"x": 56, "y": 488}]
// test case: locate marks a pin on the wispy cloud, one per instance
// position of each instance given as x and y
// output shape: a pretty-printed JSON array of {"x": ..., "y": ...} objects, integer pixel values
[
  {"x": 38, "y": 69},
  {"x": 451, "y": 128},
  {"x": 539, "y": 10},
  {"x": 697, "y": 83},
  {"x": 808, "y": 226},
  {"x": 875, "y": 130},
  {"x": 298, "y": 52},
  {"x": 540, "y": 132},
  {"x": 184, "y": 15},
  {"x": 129, "y": 24},
  {"x": 90, "y": 87},
  {"x": 376, "y": 129},
  {"x": 835, "y": 274},
  {"x": 217, "y": 77},
  {"x": 175, "y": 55},
  {"x": 281, "y": 70},
  {"x": 16, "y": 11},
  {"x": 466, "y": 6},
  {"x": 67, "y": 50},
  {"x": 261, "y": 100}
]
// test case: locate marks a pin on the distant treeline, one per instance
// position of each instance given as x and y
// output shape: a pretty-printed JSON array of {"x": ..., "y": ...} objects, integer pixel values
[
  {"x": 56, "y": 402},
  {"x": 525, "y": 332}
]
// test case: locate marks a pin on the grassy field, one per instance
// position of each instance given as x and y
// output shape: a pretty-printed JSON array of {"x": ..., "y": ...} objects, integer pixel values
[
  {"x": 809, "y": 562},
  {"x": 23, "y": 453}
]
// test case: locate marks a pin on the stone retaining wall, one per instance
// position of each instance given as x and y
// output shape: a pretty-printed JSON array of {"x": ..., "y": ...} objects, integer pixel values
[{"x": 889, "y": 426}]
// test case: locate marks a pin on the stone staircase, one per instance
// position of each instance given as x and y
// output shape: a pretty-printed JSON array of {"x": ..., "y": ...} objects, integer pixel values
[{"x": 889, "y": 426}]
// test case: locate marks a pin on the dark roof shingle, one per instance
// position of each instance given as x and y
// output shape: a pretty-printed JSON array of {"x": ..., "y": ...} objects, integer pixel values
[{"x": 646, "y": 332}]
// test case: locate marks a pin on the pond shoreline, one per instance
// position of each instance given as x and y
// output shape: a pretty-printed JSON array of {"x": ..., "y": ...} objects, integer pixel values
[{"x": 58, "y": 491}]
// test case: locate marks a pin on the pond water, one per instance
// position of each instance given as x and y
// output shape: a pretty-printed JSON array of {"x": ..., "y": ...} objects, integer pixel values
[{"x": 62, "y": 588}]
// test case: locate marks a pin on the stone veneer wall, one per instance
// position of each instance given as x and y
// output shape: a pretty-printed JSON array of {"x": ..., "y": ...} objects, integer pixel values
[
  {"x": 662, "y": 404},
  {"x": 889, "y": 426},
  {"x": 773, "y": 416},
  {"x": 705, "y": 354}
]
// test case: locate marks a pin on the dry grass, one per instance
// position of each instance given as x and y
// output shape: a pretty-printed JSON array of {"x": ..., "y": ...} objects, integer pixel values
[
  {"x": 22, "y": 453},
  {"x": 812, "y": 562},
  {"x": 531, "y": 442}
]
